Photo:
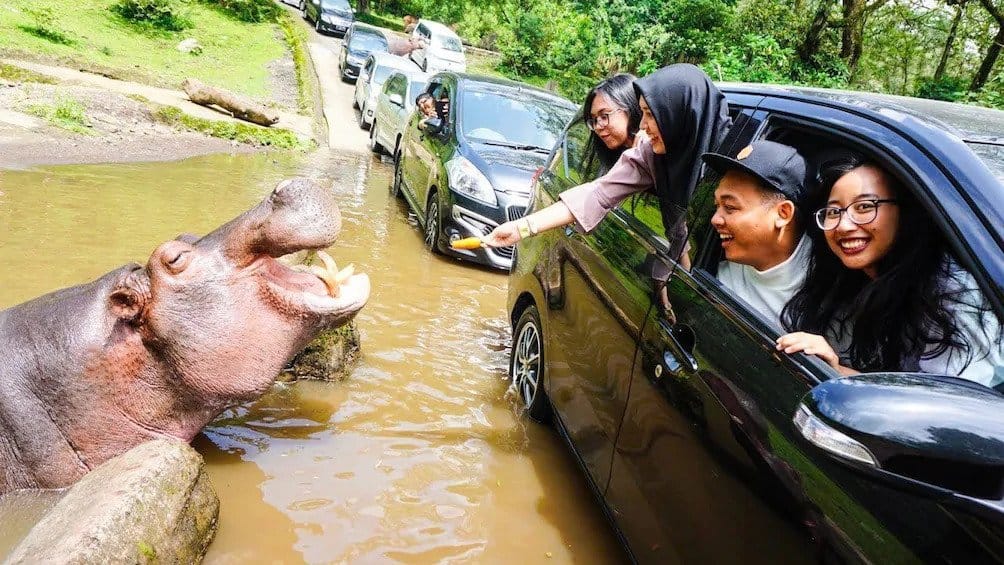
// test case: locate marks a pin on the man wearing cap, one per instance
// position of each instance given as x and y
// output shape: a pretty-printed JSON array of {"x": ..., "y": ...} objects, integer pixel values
[{"x": 757, "y": 220}]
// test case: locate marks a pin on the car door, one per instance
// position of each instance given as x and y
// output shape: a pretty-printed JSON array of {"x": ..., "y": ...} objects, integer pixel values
[
  {"x": 596, "y": 303},
  {"x": 709, "y": 451},
  {"x": 388, "y": 113},
  {"x": 363, "y": 84}
]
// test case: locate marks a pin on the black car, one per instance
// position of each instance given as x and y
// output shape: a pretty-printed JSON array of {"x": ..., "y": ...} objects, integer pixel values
[
  {"x": 359, "y": 42},
  {"x": 471, "y": 169},
  {"x": 706, "y": 445},
  {"x": 334, "y": 16}
]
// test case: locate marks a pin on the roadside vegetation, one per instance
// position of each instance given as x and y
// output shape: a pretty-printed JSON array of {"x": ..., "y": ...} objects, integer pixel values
[
  {"x": 65, "y": 113},
  {"x": 941, "y": 49},
  {"x": 138, "y": 39},
  {"x": 10, "y": 73},
  {"x": 235, "y": 131}
]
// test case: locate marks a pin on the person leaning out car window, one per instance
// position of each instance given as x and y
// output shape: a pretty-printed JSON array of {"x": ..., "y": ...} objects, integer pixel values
[{"x": 883, "y": 292}]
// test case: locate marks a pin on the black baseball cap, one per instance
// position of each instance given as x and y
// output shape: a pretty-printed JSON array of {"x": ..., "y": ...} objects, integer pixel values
[{"x": 777, "y": 166}]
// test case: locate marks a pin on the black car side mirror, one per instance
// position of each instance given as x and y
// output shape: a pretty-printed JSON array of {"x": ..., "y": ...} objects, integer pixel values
[
  {"x": 431, "y": 125},
  {"x": 943, "y": 436}
]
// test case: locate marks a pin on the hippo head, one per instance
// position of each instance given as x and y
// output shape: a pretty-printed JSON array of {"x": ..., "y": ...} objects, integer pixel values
[{"x": 221, "y": 315}]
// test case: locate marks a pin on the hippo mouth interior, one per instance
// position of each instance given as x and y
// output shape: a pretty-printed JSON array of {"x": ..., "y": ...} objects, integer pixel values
[{"x": 317, "y": 288}]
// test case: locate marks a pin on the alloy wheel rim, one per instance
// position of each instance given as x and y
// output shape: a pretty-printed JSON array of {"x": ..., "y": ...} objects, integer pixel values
[
  {"x": 526, "y": 363},
  {"x": 432, "y": 224}
]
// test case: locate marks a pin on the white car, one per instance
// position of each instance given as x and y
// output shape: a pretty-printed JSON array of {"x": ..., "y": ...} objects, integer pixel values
[
  {"x": 372, "y": 74},
  {"x": 393, "y": 109},
  {"x": 439, "y": 48}
]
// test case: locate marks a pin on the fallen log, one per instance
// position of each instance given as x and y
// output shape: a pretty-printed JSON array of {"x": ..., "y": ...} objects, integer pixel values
[{"x": 240, "y": 108}]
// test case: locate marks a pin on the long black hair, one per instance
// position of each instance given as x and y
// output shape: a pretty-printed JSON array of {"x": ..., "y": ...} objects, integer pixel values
[
  {"x": 902, "y": 315},
  {"x": 619, "y": 90}
]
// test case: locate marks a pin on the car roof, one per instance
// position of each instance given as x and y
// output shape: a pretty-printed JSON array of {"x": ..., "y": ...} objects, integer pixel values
[
  {"x": 339, "y": 3},
  {"x": 367, "y": 28},
  {"x": 968, "y": 123},
  {"x": 438, "y": 27},
  {"x": 391, "y": 60},
  {"x": 483, "y": 82}
]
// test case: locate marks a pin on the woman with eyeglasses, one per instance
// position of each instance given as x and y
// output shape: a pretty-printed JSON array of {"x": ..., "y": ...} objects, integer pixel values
[
  {"x": 613, "y": 117},
  {"x": 883, "y": 292},
  {"x": 684, "y": 116}
]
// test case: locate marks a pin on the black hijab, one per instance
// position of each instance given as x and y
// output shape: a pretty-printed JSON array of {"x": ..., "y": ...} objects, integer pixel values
[{"x": 693, "y": 119}]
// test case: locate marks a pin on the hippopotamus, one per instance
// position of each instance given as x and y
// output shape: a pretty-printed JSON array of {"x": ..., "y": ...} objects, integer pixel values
[{"x": 157, "y": 351}]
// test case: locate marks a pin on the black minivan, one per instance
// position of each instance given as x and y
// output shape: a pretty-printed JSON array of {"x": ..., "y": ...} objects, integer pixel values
[
  {"x": 706, "y": 445},
  {"x": 333, "y": 16},
  {"x": 470, "y": 169},
  {"x": 361, "y": 40}
]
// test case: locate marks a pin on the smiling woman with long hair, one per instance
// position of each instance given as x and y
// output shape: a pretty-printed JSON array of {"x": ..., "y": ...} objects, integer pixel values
[
  {"x": 883, "y": 292},
  {"x": 613, "y": 115}
]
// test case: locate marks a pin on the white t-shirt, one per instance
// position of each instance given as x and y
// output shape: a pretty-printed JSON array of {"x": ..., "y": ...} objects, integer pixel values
[
  {"x": 768, "y": 291},
  {"x": 978, "y": 326}
]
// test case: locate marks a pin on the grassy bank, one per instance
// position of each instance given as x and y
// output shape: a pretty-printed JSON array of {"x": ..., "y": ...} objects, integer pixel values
[{"x": 87, "y": 34}]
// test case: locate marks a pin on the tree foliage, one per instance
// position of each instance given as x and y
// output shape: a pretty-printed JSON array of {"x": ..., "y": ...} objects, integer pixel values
[{"x": 943, "y": 49}]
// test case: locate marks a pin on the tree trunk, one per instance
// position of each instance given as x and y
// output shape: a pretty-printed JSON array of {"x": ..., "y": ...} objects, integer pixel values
[
  {"x": 810, "y": 45},
  {"x": 242, "y": 109},
  {"x": 363, "y": 6},
  {"x": 989, "y": 60},
  {"x": 950, "y": 41},
  {"x": 993, "y": 51}
]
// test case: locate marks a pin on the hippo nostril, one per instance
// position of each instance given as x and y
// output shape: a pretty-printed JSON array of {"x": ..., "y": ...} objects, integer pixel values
[{"x": 177, "y": 257}]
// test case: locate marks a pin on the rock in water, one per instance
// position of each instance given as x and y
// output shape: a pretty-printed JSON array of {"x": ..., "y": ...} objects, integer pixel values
[{"x": 152, "y": 504}]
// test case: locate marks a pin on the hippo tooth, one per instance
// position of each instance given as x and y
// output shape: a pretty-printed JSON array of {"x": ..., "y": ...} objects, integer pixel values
[
  {"x": 327, "y": 277},
  {"x": 344, "y": 274},
  {"x": 329, "y": 263}
]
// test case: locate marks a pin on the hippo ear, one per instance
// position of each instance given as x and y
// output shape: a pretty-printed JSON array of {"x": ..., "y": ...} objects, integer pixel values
[{"x": 127, "y": 304}]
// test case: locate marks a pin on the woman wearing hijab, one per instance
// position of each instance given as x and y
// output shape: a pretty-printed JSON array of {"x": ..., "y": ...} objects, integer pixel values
[{"x": 684, "y": 115}]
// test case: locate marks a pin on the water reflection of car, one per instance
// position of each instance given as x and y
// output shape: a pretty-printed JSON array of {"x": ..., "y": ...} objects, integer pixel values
[
  {"x": 703, "y": 443},
  {"x": 393, "y": 107},
  {"x": 372, "y": 74},
  {"x": 470, "y": 170},
  {"x": 440, "y": 49},
  {"x": 359, "y": 42},
  {"x": 334, "y": 16}
]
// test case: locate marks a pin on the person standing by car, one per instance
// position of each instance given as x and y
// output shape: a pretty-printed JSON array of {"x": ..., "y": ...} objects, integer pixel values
[
  {"x": 613, "y": 118},
  {"x": 759, "y": 221},
  {"x": 884, "y": 290},
  {"x": 684, "y": 115}
]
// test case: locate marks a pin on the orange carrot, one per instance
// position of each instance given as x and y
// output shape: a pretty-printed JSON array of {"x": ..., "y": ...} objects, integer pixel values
[{"x": 466, "y": 243}]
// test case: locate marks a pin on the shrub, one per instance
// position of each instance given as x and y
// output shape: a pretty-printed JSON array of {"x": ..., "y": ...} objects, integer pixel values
[
  {"x": 166, "y": 15},
  {"x": 45, "y": 26},
  {"x": 948, "y": 89},
  {"x": 251, "y": 11}
]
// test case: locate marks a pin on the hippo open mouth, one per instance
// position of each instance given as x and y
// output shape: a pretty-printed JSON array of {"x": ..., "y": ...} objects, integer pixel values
[{"x": 318, "y": 289}]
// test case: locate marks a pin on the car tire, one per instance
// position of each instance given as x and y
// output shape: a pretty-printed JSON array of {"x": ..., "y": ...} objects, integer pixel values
[
  {"x": 395, "y": 183},
  {"x": 317, "y": 24},
  {"x": 355, "y": 103},
  {"x": 303, "y": 10},
  {"x": 425, "y": 65},
  {"x": 362, "y": 118},
  {"x": 526, "y": 365},
  {"x": 374, "y": 144},
  {"x": 432, "y": 226}
]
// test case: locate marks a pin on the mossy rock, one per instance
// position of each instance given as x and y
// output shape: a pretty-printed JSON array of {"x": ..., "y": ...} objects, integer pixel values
[{"x": 328, "y": 358}]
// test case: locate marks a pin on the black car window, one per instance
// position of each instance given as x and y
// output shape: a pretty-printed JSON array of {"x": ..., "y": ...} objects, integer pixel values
[
  {"x": 576, "y": 145},
  {"x": 511, "y": 117}
]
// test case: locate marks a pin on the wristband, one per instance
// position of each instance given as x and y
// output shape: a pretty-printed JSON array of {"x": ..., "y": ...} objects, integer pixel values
[
  {"x": 533, "y": 228},
  {"x": 523, "y": 227}
]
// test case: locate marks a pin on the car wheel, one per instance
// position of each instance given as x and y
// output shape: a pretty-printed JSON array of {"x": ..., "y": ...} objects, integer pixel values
[
  {"x": 303, "y": 10},
  {"x": 425, "y": 65},
  {"x": 432, "y": 224},
  {"x": 355, "y": 103},
  {"x": 362, "y": 118},
  {"x": 374, "y": 144},
  {"x": 395, "y": 184},
  {"x": 526, "y": 365},
  {"x": 317, "y": 24}
]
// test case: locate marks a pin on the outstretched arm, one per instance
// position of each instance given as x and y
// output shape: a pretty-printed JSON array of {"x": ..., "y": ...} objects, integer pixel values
[{"x": 555, "y": 215}]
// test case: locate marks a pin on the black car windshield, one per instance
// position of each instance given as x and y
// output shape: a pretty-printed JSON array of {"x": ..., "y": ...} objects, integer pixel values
[
  {"x": 992, "y": 156},
  {"x": 367, "y": 42},
  {"x": 381, "y": 73},
  {"x": 447, "y": 42},
  {"x": 512, "y": 118},
  {"x": 335, "y": 7},
  {"x": 414, "y": 87}
]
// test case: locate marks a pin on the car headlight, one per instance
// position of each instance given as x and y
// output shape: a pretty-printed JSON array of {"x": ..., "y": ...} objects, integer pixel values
[{"x": 466, "y": 179}]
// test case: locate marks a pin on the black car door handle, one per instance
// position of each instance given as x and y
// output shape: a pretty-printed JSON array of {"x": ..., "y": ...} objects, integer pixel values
[{"x": 676, "y": 358}]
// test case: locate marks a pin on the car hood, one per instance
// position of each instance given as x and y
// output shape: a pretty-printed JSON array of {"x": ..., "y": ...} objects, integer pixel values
[
  {"x": 446, "y": 55},
  {"x": 509, "y": 170}
]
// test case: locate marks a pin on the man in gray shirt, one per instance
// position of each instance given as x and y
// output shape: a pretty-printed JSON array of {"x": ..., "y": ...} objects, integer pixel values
[{"x": 757, "y": 220}]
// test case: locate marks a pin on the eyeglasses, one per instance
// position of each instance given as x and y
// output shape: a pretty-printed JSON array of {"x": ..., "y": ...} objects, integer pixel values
[
  {"x": 601, "y": 120},
  {"x": 861, "y": 212}
]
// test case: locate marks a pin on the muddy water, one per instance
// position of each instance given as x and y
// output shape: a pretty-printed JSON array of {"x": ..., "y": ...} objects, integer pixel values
[{"x": 418, "y": 457}]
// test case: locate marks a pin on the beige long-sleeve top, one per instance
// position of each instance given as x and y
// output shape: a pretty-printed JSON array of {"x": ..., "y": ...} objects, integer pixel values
[{"x": 634, "y": 172}]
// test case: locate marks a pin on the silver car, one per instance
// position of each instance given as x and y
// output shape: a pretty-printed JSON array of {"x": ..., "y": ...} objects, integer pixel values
[
  {"x": 372, "y": 74},
  {"x": 393, "y": 108}
]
